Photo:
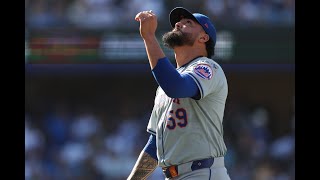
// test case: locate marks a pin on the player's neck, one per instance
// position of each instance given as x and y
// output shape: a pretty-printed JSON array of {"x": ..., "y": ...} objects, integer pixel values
[{"x": 184, "y": 54}]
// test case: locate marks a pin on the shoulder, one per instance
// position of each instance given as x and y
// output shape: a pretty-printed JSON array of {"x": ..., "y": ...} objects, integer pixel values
[
  {"x": 205, "y": 67},
  {"x": 208, "y": 61}
]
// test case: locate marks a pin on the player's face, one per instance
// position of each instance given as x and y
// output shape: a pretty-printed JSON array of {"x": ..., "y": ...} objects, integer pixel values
[{"x": 184, "y": 33}]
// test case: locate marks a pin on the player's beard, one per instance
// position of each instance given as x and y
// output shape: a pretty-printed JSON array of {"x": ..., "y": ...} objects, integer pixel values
[{"x": 172, "y": 39}]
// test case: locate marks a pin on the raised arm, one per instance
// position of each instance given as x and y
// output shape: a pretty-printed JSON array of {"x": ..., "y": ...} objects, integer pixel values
[
  {"x": 148, "y": 26},
  {"x": 174, "y": 84}
]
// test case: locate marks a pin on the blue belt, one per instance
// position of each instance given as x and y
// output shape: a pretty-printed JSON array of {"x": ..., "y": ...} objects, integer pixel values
[{"x": 173, "y": 171}]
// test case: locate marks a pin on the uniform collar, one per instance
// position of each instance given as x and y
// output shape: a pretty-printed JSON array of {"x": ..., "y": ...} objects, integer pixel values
[{"x": 185, "y": 65}]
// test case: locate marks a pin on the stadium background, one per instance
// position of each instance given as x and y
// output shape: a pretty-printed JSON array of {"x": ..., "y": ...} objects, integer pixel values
[{"x": 89, "y": 91}]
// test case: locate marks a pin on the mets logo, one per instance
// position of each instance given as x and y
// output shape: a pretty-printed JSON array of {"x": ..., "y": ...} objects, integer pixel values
[{"x": 204, "y": 71}]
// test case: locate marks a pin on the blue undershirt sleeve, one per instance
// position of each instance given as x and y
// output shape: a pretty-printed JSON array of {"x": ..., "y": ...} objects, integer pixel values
[
  {"x": 174, "y": 84},
  {"x": 151, "y": 147}
]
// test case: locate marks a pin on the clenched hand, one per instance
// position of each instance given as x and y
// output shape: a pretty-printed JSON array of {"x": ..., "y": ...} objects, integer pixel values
[{"x": 148, "y": 23}]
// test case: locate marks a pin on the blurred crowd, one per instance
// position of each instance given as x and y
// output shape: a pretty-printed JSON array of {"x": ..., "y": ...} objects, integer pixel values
[
  {"x": 87, "y": 144},
  {"x": 115, "y": 14}
]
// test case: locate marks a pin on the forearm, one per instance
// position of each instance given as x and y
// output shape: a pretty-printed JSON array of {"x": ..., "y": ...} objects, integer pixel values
[
  {"x": 144, "y": 166},
  {"x": 153, "y": 49}
]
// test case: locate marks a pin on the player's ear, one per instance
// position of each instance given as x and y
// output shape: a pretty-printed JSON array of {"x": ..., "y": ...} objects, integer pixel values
[{"x": 204, "y": 37}]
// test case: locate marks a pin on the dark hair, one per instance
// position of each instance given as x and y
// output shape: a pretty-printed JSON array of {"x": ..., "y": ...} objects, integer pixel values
[{"x": 210, "y": 48}]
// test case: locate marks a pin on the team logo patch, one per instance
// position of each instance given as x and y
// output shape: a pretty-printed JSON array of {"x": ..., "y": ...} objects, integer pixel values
[{"x": 204, "y": 71}]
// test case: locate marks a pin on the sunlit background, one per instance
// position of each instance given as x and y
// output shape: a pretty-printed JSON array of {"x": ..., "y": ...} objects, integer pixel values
[{"x": 89, "y": 91}]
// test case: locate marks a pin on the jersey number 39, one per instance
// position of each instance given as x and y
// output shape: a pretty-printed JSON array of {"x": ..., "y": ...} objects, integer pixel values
[{"x": 177, "y": 117}]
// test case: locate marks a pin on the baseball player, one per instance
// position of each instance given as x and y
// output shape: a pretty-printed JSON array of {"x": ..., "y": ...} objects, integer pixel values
[{"x": 186, "y": 128}]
